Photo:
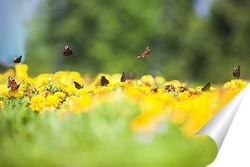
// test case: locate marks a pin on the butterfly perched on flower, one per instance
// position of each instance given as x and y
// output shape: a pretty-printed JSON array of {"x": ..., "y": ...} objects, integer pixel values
[
  {"x": 145, "y": 53},
  {"x": 206, "y": 87},
  {"x": 236, "y": 71},
  {"x": 77, "y": 85},
  {"x": 17, "y": 59},
  {"x": 123, "y": 77},
  {"x": 67, "y": 51},
  {"x": 12, "y": 84},
  {"x": 104, "y": 81}
]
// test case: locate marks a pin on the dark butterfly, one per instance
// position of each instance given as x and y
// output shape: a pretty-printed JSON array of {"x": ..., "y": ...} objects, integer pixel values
[
  {"x": 18, "y": 59},
  {"x": 67, "y": 51},
  {"x": 77, "y": 85},
  {"x": 236, "y": 71},
  {"x": 169, "y": 88},
  {"x": 123, "y": 78},
  {"x": 145, "y": 53},
  {"x": 206, "y": 87},
  {"x": 12, "y": 83},
  {"x": 104, "y": 81}
]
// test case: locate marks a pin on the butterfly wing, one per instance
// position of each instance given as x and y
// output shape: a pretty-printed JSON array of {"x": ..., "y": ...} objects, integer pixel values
[
  {"x": 77, "y": 85},
  {"x": 104, "y": 81},
  {"x": 238, "y": 74},
  {"x": 18, "y": 59},
  {"x": 145, "y": 53},
  {"x": 123, "y": 79},
  {"x": 206, "y": 87},
  {"x": 12, "y": 83},
  {"x": 67, "y": 51},
  {"x": 236, "y": 71}
]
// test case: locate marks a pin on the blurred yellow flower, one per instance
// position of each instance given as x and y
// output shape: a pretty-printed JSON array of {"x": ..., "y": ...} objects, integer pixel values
[
  {"x": 29, "y": 81},
  {"x": 235, "y": 84},
  {"x": 60, "y": 95},
  {"x": 37, "y": 103},
  {"x": 148, "y": 80},
  {"x": 1, "y": 104},
  {"x": 79, "y": 104},
  {"x": 67, "y": 78},
  {"x": 159, "y": 81},
  {"x": 71, "y": 89},
  {"x": 15, "y": 93},
  {"x": 52, "y": 102},
  {"x": 42, "y": 79},
  {"x": 21, "y": 71}
]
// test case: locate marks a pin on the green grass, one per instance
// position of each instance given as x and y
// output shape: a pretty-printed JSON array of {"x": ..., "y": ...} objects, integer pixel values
[{"x": 99, "y": 138}]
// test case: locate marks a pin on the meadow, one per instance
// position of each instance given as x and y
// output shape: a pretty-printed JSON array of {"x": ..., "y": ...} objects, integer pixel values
[{"x": 71, "y": 119}]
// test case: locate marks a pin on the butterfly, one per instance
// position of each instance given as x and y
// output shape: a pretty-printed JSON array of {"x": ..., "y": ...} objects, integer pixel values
[
  {"x": 67, "y": 51},
  {"x": 77, "y": 85},
  {"x": 145, "y": 53},
  {"x": 18, "y": 59},
  {"x": 236, "y": 71},
  {"x": 12, "y": 84},
  {"x": 123, "y": 78},
  {"x": 104, "y": 81},
  {"x": 206, "y": 87}
]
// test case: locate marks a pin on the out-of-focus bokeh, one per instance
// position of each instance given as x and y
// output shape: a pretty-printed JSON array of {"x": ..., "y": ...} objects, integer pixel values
[{"x": 190, "y": 40}]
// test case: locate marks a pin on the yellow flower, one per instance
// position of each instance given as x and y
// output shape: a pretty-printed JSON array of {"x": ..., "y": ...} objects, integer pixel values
[
  {"x": 67, "y": 78},
  {"x": 79, "y": 104},
  {"x": 37, "y": 103},
  {"x": 52, "y": 101},
  {"x": 60, "y": 95},
  {"x": 15, "y": 93},
  {"x": 1, "y": 104},
  {"x": 115, "y": 78},
  {"x": 148, "y": 80},
  {"x": 235, "y": 84},
  {"x": 71, "y": 89},
  {"x": 42, "y": 79},
  {"x": 103, "y": 89},
  {"x": 159, "y": 81},
  {"x": 1, "y": 77},
  {"x": 29, "y": 81},
  {"x": 21, "y": 71}
]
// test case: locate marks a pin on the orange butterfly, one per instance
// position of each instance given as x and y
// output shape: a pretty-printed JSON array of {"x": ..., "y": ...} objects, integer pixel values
[
  {"x": 12, "y": 84},
  {"x": 67, "y": 51},
  {"x": 18, "y": 59},
  {"x": 145, "y": 53}
]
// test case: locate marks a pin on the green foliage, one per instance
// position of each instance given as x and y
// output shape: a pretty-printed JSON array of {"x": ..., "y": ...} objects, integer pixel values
[
  {"x": 101, "y": 137},
  {"x": 107, "y": 37}
]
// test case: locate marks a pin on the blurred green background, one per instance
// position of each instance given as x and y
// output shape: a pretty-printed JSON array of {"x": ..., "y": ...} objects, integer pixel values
[{"x": 107, "y": 36}]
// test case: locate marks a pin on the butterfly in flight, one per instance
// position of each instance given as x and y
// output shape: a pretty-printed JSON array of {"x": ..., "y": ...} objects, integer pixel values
[
  {"x": 145, "y": 53},
  {"x": 77, "y": 85},
  {"x": 236, "y": 71},
  {"x": 104, "y": 81},
  {"x": 12, "y": 84},
  {"x": 206, "y": 87},
  {"x": 17, "y": 59},
  {"x": 67, "y": 51}
]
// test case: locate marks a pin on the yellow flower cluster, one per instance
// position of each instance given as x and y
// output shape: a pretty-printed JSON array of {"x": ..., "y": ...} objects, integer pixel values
[{"x": 159, "y": 101}]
